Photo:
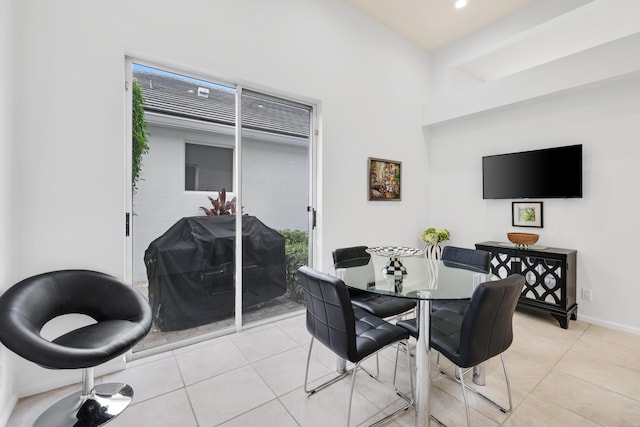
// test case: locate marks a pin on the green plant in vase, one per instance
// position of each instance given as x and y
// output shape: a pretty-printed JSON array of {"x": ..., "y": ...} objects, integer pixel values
[{"x": 433, "y": 237}]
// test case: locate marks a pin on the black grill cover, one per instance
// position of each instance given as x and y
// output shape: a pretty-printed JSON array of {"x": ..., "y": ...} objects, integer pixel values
[{"x": 191, "y": 270}]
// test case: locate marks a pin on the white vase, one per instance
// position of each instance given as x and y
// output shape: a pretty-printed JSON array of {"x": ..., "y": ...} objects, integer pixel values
[{"x": 433, "y": 252}]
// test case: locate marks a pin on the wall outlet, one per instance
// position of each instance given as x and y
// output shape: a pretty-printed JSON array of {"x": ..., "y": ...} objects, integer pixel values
[{"x": 587, "y": 295}]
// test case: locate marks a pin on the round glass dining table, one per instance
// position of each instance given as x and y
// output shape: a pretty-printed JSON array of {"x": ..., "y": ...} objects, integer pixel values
[{"x": 423, "y": 280}]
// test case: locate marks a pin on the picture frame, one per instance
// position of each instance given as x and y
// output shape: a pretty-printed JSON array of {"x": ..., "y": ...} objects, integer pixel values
[
  {"x": 384, "y": 180},
  {"x": 526, "y": 214}
]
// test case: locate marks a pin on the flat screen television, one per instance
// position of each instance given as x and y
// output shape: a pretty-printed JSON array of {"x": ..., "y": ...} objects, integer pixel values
[{"x": 548, "y": 173}]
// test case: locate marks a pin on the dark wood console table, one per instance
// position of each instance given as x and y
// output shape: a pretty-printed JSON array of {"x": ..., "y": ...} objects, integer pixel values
[{"x": 550, "y": 275}]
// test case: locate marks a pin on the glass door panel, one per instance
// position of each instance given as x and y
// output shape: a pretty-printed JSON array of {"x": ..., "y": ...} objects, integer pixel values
[
  {"x": 183, "y": 247},
  {"x": 275, "y": 157},
  {"x": 199, "y": 168}
]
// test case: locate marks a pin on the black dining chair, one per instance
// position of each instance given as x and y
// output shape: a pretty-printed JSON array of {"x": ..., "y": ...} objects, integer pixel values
[
  {"x": 483, "y": 331},
  {"x": 470, "y": 259},
  {"x": 379, "y": 305},
  {"x": 122, "y": 318},
  {"x": 349, "y": 332}
]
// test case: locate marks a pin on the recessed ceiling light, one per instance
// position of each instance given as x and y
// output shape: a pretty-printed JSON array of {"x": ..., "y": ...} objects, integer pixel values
[{"x": 460, "y": 4}]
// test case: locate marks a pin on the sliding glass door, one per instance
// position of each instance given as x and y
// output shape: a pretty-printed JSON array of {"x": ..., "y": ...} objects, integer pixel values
[
  {"x": 223, "y": 183},
  {"x": 274, "y": 157}
]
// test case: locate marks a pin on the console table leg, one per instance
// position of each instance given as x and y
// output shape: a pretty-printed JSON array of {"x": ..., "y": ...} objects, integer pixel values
[{"x": 563, "y": 320}]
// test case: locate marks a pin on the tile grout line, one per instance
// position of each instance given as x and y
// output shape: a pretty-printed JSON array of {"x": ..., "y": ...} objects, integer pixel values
[{"x": 550, "y": 371}]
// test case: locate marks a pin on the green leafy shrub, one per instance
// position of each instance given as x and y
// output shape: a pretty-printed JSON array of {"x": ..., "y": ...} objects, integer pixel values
[
  {"x": 139, "y": 134},
  {"x": 296, "y": 252}
]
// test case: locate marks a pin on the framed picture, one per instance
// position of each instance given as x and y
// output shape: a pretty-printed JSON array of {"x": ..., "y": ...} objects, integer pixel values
[
  {"x": 526, "y": 214},
  {"x": 384, "y": 179}
]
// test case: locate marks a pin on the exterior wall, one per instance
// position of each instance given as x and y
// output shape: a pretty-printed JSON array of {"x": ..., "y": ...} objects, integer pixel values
[{"x": 274, "y": 185}]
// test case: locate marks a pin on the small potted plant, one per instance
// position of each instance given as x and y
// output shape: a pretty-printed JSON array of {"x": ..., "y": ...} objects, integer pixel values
[{"x": 433, "y": 237}]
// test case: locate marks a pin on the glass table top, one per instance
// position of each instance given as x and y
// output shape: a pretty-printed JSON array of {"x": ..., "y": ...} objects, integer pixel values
[{"x": 422, "y": 279}]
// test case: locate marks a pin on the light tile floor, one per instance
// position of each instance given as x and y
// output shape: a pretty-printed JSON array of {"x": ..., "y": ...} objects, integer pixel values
[{"x": 584, "y": 376}]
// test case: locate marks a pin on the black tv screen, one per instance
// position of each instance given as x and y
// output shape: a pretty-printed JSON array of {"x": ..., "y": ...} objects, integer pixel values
[{"x": 549, "y": 173}]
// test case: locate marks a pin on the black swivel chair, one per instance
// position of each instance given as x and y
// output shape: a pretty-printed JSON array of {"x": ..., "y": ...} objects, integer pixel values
[
  {"x": 484, "y": 331},
  {"x": 471, "y": 259},
  {"x": 123, "y": 318},
  {"x": 379, "y": 305},
  {"x": 349, "y": 332}
]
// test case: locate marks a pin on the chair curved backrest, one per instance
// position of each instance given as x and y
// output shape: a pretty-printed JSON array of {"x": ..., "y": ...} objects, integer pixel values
[
  {"x": 487, "y": 326},
  {"x": 330, "y": 317},
  {"x": 355, "y": 266},
  {"x": 122, "y": 315},
  {"x": 474, "y": 259},
  {"x": 356, "y": 253}
]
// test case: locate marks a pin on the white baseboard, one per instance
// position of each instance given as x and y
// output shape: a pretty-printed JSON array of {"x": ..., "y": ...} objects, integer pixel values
[{"x": 610, "y": 325}]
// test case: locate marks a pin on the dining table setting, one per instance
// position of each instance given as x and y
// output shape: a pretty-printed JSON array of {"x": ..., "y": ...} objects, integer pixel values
[{"x": 405, "y": 272}]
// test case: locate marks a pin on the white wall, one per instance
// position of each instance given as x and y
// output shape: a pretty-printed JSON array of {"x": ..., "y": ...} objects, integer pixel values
[
  {"x": 589, "y": 98},
  {"x": 601, "y": 226},
  {"x": 522, "y": 72},
  {"x": 8, "y": 394},
  {"x": 70, "y": 155}
]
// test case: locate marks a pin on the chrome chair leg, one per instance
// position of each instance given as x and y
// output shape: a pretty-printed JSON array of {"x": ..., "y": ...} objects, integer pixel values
[
  {"x": 464, "y": 395},
  {"x": 353, "y": 371},
  {"x": 325, "y": 384},
  {"x": 403, "y": 396},
  {"x": 460, "y": 379},
  {"x": 374, "y": 376},
  {"x": 353, "y": 384},
  {"x": 405, "y": 345},
  {"x": 506, "y": 378}
]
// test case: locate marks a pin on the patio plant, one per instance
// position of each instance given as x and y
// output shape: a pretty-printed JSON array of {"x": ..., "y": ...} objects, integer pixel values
[
  {"x": 139, "y": 134},
  {"x": 220, "y": 206},
  {"x": 296, "y": 253}
]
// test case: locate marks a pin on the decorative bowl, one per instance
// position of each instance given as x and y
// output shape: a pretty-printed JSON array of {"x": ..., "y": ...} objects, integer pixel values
[{"x": 523, "y": 239}]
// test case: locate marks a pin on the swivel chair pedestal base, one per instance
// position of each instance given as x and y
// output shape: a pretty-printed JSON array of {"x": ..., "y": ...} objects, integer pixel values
[{"x": 91, "y": 407}]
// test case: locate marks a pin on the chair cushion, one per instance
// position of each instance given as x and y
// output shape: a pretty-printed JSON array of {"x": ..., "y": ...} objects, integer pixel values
[
  {"x": 373, "y": 333},
  {"x": 410, "y": 325},
  {"x": 381, "y": 305},
  {"x": 98, "y": 342},
  {"x": 445, "y": 330}
]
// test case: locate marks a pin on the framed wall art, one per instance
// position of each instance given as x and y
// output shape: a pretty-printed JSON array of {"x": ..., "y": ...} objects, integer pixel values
[
  {"x": 526, "y": 214},
  {"x": 384, "y": 179}
]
